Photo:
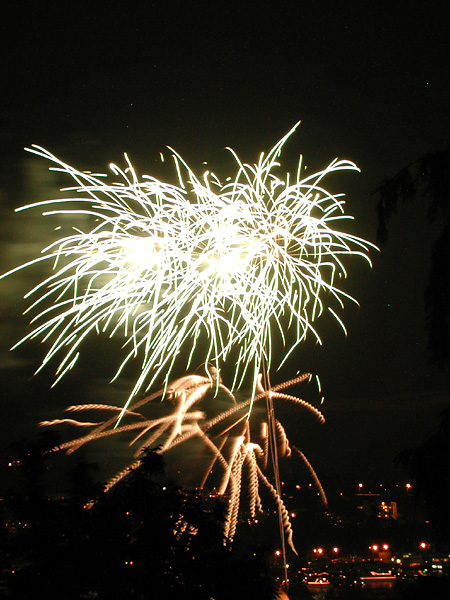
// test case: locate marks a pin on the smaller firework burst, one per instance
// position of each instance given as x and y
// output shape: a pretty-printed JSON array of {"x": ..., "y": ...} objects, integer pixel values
[{"x": 238, "y": 447}]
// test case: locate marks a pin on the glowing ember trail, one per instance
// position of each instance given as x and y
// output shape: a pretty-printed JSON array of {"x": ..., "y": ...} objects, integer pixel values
[{"x": 237, "y": 452}]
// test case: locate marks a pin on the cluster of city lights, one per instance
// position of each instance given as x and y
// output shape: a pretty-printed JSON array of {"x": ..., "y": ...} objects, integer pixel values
[
  {"x": 379, "y": 548},
  {"x": 320, "y": 551}
]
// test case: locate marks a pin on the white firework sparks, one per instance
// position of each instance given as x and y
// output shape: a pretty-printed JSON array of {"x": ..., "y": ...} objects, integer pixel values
[{"x": 192, "y": 265}]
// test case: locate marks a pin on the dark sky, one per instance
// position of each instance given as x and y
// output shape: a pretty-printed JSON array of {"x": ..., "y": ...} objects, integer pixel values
[{"x": 369, "y": 82}]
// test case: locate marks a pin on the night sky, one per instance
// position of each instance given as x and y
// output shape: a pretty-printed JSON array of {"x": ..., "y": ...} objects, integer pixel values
[{"x": 369, "y": 82}]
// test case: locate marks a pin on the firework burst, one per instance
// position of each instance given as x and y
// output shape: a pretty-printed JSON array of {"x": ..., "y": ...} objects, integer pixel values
[
  {"x": 198, "y": 268},
  {"x": 225, "y": 267}
]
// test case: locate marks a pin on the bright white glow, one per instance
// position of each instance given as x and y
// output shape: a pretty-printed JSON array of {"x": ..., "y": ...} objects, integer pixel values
[{"x": 197, "y": 266}]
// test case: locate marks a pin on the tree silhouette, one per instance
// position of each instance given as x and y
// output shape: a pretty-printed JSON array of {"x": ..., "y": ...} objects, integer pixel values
[
  {"x": 81, "y": 483},
  {"x": 427, "y": 180},
  {"x": 144, "y": 538},
  {"x": 428, "y": 464}
]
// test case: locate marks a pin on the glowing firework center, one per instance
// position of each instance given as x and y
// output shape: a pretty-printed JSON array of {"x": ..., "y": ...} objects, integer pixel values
[{"x": 169, "y": 266}]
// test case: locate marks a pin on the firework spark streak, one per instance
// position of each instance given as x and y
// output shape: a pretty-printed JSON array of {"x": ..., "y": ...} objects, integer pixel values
[{"x": 198, "y": 264}]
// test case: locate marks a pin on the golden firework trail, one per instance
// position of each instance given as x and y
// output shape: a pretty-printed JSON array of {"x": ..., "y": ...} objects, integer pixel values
[{"x": 238, "y": 454}]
